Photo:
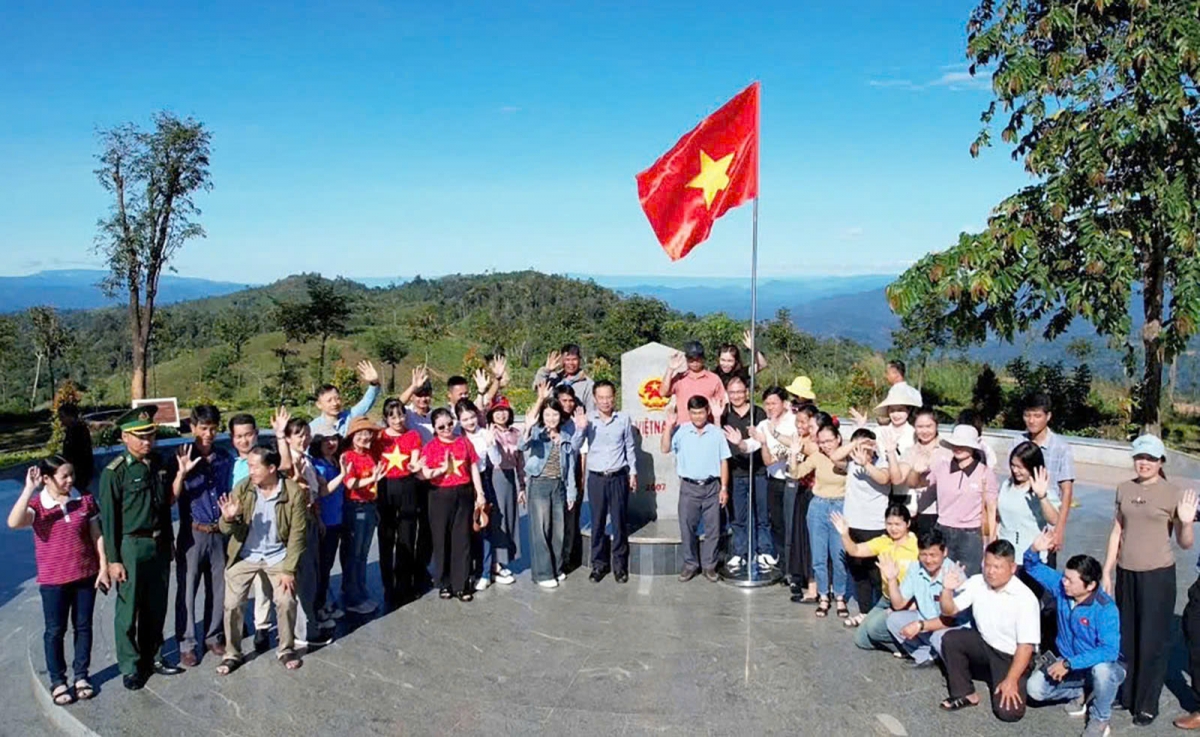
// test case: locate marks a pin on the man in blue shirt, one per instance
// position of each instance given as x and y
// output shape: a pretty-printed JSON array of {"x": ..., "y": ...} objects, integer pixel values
[
  {"x": 200, "y": 546},
  {"x": 611, "y": 475},
  {"x": 333, "y": 420},
  {"x": 917, "y": 624},
  {"x": 702, "y": 462},
  {"x": 1088, "y": 641}
]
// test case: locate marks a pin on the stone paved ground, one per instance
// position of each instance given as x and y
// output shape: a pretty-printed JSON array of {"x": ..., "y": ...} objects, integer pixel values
[{"x": 651, "y": 657}]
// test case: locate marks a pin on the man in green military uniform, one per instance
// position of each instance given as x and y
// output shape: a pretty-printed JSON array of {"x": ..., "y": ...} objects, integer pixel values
[{"x": 135, "y": 516}]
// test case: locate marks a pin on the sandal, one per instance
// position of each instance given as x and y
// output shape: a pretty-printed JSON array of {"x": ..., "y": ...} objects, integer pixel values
[
  {"x": 290, "y": 661},
  {"x": 228, "y": 665},
  {"x": 84, "y": 690},
  {"x": 822, "y": 607},
  {"x": 466, "y": 596},
  {"x": 854, "y": 621},
  {"x": 842, "y": 610},
  {"x": 956, "y": 703},
  {"x": 445, "y": 594},
  {"x": 62, "y": 695}
]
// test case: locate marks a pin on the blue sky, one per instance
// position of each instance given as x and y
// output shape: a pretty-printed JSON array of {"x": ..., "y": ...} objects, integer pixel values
[{"x": 379, "y": 139}]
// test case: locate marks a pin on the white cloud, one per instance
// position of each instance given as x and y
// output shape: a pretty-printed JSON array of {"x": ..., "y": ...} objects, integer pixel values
[
  {"x": 903, "y": 84},
  {"x": 964, "y": 80},
  {"x": 851, "y": 233}
]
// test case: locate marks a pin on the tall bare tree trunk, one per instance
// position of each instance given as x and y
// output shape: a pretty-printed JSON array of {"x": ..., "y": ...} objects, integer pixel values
[
  {"x": 1153, "y": 296},
  {"x": 37, "y": 374}
]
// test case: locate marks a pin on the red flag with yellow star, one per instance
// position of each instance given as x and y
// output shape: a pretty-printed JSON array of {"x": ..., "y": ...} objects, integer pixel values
[{"x": 712, "y": 169}]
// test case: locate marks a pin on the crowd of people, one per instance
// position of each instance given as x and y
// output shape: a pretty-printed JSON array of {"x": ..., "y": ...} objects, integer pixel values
[{"x": 945, "y": 565}]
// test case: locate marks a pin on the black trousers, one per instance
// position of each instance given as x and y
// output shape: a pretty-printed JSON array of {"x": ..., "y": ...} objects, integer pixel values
[
  {"x": 572, "y": 537},
  {"x": 966, "y": 655},
  {"x": 424, "y": 534},
  {"x": 398, "y": 524},
  {"x": 924, "y": 523},
  {"x": 799, "y": 560},
  {"x": 775, "y": 489},
  {"x": 1146, "y": 601},
  {"x": 609, "y": 497},
  {"x": 868, "y": 583},
  {"x": 450, "y": 510},
  {"x": 1191, "y": 634}
]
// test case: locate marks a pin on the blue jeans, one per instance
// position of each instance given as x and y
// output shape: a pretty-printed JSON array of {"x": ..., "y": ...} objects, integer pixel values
[
  {"x": 360, "y": 519},
  {"x": 547, "y": 504},
  {"x": 1104, "y": 678},
  {"x": 763, "y": 544},
  {"x": 925, "y": 646},
  {"x": 826, "y": 544},
  {"x": 73, "y": 601}
]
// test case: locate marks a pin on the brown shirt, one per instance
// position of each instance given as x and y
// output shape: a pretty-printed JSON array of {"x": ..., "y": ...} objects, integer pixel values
[
  {"x": 1146, "y": 512},
  {"x": 830, "y": 483}
]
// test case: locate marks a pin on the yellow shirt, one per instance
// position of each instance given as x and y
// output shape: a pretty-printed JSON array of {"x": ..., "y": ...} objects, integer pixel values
[{"x": 902, "y": 551}]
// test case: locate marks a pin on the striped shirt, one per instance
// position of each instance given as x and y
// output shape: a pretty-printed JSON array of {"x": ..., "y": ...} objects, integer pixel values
[{"x": 62, "y": 538}]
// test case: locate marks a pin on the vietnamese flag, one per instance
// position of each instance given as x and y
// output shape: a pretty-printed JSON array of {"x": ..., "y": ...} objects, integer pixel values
[{"x": 712, "y": 169}]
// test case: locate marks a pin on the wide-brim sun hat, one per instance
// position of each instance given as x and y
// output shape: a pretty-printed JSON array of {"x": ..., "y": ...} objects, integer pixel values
[
  {"x": 963, "y": 436},
  {"x": 801, "y": 386},
  {"x": 898, "y": 396},
  {"x": 1149, "y": 445},
  {"x": 359, "y": 424}
]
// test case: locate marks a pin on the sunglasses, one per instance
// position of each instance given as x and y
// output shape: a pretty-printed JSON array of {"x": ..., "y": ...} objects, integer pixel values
[{"x": 443, "y": 426}]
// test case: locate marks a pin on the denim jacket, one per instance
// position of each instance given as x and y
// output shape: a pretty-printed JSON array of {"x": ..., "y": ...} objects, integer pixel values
[{"x": 537, "y": 443}]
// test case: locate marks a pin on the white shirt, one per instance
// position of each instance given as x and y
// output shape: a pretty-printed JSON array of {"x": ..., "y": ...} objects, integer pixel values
[
  {"x": 866, "y": 501},
  {"x": 1005, "y": 617},
  {"x": 785, "y": 428}
]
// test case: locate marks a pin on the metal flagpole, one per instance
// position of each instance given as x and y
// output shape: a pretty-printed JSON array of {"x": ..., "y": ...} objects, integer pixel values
[
  {"x": 753, "y": 578},
  {"x": 753, "y": 374}
]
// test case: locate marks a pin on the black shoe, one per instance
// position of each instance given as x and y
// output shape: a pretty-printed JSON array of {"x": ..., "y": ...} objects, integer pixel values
[
  {"x": 262, "y": 641},
  {"x": 796, "y": 590},
  {"x": 163, "y": 668},
  {"x": 596, "y": 576},
  {"x": 133, "y": 682},
  {"x": 1143, "y": 719},
  {"x": 318, "y": 642},
  {"x": 621, "y": 577}
]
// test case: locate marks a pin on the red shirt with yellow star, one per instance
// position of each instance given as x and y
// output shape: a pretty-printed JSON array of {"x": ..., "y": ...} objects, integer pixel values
[
  {"x": 362, "y": 465},
  {"x": 462, "y": 456},
  {"x": 399, "y": 452}
]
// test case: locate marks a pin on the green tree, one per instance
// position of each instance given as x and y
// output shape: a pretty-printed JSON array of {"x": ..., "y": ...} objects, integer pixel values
[
  {"x": 630, "y": 323},
  {"x": 987, "y": 398},
  {"x": 153, "y": 177},
  {"x": 50, "y": 340},
  {"x": 389, "y": 346},
  {"x": 235, "y": 326},
  {"x": 325, "y": 314},
  {"x": 1100, "y": 104}
]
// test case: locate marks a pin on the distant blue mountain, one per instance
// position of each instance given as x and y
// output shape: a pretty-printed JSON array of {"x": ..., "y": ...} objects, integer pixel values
[{"x": 77, "y": 289}]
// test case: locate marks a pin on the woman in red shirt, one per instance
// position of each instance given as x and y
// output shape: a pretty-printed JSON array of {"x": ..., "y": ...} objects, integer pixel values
[
  {"x": 451, "y": 465},
  {"x": 71, "y": 565},
  {"x": 362, "y": 470},
  {"x": 398, "y": 448}
]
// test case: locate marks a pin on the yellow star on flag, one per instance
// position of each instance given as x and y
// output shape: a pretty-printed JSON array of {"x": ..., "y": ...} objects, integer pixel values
[
  {"x": 456, "y": 465},
  {"x": 713, "y": 176},
  {"x": 396, "y": 459}
]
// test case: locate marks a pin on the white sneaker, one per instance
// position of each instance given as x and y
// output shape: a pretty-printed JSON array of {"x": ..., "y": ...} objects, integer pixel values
[
  {"x": 734, "y": 563},
  {"x": 365, "y": 607},
  {"x": 562, "y": 577},
  {"x": 769, "y": 559},
  {"x": 504, "y": 576},
  {"x": 482, "y": 584},
  {"x": 549, "y": 583},
  {"x": 335, "y": 612}
]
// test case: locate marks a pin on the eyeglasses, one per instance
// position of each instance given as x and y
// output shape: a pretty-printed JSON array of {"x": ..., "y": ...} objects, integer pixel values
[{"x": 443, "y": 426}]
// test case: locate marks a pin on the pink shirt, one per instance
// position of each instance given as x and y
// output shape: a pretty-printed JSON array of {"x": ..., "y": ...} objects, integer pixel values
[
  {"x": 62, "y": 538},
  {"x": 705, "y": 384},
  {"x": 960, "y": 496}
]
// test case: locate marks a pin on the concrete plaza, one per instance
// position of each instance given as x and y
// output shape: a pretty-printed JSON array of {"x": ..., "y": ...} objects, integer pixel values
[{"x": 651, "y": 657}]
